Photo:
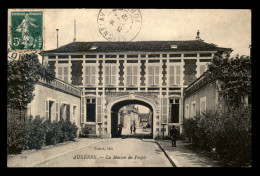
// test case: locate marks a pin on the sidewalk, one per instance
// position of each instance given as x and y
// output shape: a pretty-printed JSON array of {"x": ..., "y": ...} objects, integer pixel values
[
  {"x": 184, "y": 156},
  {"x": 32, "y": 158}
]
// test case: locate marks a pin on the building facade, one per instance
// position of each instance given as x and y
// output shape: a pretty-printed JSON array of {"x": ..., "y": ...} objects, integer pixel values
[
  {"x": 56, "y": 100},
  {"x": 112, "y": 75}
]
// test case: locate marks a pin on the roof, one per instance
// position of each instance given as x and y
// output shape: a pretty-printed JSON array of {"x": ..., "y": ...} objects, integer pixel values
[{"x": 148, "y": 46}]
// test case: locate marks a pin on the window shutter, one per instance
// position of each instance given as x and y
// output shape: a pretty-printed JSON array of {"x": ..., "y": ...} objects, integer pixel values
[
  {"x": 178, "y": 72},
  {"x": 150, "y": 75},
  {"x": 113, "y": 75},
  {"x": 107, "y": 75},
  {"x": 57, "y": 111},
  {"x": 134, "y": 75},
  {"x": 47, "y": 109},
  {"x": 60, "y": 73},
  {"x": 93, "y": 75},
  {"x": 99, "y": 110},
  {"x": 87, "y": 75},
  {"x": 202, "y": 69},
  {"x": 82, "y": 109},
  {"x": 171, "y": 75},
  {"x": 65, "y": 74},
  {"x": 156, "y": 75},
  {"x": 164, "y": 110},
  {"x": 128, "y": 75}
]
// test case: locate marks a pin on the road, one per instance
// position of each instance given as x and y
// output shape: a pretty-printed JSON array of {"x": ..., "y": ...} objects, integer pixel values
[{"x": 128, "y": 152}]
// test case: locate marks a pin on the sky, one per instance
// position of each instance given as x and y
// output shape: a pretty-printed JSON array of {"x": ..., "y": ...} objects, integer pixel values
[{"x": 225, "y": 28}]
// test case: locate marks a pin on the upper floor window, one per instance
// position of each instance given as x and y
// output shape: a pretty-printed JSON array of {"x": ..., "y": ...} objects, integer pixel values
[
  {"x": 90, "y": 75},
  {"x": 153, "y": 75},
  {"x": 110, "y": 74},
  {"x": 131, "y": 75},
  {"x": 174, "y": 74},
  {"x": 63, "y": 73}
]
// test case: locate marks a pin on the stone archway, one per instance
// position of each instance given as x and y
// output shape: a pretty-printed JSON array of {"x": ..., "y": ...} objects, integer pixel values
[{"x": 121, "y": 101}]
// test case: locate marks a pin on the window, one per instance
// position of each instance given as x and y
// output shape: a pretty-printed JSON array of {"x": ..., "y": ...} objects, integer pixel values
[
  {"x": 202, "y": 105},
  {"x": 131, "y": 75},
  {"x": 174, "y": 75},
  {"x": 202, "y": 68},
  {"x": 90, "y": 75},
  {"x": 153, "y": 75},
  {"x": 174, "y": 109},
  {"x": 187, "y": 111},
  {"x": 63, "y": 73},
  {"x": 193, "y": 109},
  {"x": 74, "y": 111},
  {"x": 91, "y": 110},
  {"x": 110, "y": 75}
]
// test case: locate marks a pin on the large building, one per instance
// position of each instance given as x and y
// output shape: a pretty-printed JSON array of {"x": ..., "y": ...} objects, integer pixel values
[{"x": 112, "y": 75}]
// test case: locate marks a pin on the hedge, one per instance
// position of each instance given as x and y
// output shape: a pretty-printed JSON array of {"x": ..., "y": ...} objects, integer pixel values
[
  {"x": 229, "y": 133},
  {"x": 35, "y": 133}
]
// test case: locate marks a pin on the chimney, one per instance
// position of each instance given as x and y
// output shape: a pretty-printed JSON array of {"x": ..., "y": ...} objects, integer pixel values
[
  {"x": 57, "y": 38},
  {"x": 74, "y": 40},
  {"x": 198, "y": 35}
]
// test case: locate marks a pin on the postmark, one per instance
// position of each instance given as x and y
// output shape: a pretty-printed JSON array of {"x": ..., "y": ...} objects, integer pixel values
[
  {"x": 119, "y": 24},
  {"x": 26, "y": 30}
]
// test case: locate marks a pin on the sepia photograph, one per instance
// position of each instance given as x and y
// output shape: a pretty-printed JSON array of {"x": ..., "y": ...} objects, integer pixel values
[{"x": 129, "y": 88}]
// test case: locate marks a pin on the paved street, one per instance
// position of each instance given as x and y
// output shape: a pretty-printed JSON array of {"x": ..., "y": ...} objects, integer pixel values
[{"x": 129, "y": 152}]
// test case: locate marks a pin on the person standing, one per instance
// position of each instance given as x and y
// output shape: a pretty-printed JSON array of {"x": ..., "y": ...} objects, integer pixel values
[
  {"x": 134, "y": 129},
  {"x": 120, "y": 126},
  {"x": 174, "y": 134},
  {"x": 131, "y": 128}
]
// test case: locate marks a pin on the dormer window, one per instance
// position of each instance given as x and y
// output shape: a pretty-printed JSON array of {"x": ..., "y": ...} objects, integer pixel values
[
  {"x": 93, "y": 48},
  {"x": 173, "y": 46}
]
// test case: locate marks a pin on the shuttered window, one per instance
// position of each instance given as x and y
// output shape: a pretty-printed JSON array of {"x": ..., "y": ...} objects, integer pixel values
[
  {"x": 90, "y": 75},
  {"x": 110, "y": 75},
  {"x": 63, "y": 73},
  {"x": 175, "y": 75},
  {"x": 153, "y": 75},
  {"x": 131, "y": 75}
]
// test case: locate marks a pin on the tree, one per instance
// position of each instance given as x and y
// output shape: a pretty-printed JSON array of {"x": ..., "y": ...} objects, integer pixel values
[
  {"x": 22, "y": 75},
  {"x": 234, "y": 75}
]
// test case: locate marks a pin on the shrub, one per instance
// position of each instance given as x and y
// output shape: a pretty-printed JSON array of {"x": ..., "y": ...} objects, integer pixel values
[
  {"x": 15, "y": 136},
  {"x": 53, "y": 132},
  {"x": 85, "y": 131},
  {"x": 68, "y": 131},
  {"x": 35, "y": 133},
  {"x": 229, "y": 133}
]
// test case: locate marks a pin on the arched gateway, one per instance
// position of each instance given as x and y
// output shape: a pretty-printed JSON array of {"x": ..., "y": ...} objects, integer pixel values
[{"x": 116, "y": 104}]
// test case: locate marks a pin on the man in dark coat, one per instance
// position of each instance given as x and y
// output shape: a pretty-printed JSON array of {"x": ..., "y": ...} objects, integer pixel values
[{"x": 174, "y": 134}]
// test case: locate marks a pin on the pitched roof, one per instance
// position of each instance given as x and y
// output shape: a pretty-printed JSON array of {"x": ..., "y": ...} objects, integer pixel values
[{"x": 147, "y": 46}]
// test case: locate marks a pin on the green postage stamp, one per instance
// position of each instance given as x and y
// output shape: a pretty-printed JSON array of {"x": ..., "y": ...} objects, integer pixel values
[{"x": 26, "y": 30}]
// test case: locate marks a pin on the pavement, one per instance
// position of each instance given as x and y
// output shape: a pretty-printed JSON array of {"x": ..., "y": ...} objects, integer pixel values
[
  {"x": 114, "y": 152},
  {"x": 184, "y": 156}
]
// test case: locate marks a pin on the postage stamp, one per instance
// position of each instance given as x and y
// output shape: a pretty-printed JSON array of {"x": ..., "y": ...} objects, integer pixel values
[
  {"x": 27, "y": 30},
  {"x": 119, "y": 24}
]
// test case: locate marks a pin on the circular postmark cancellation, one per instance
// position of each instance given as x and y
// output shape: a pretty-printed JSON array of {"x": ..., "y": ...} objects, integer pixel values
[{"x": 119, "y": 24}]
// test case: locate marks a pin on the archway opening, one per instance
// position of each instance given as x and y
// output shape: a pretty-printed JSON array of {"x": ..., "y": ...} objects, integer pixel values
[{"x": 133, "y": 121}]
